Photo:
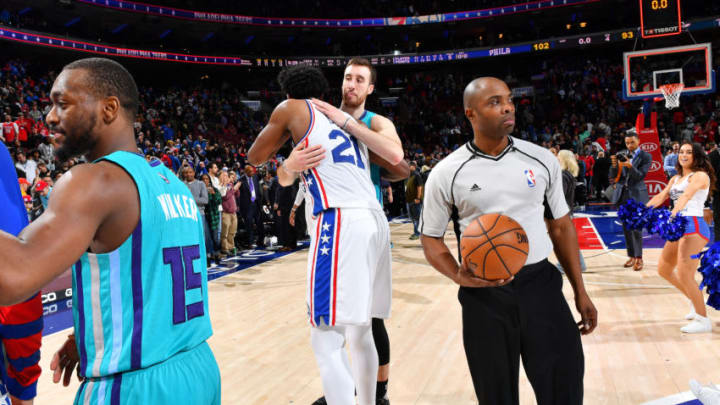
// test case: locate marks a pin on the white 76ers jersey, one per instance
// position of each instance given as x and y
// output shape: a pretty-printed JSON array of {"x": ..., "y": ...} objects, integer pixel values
[{"x": 342, "y": 180}]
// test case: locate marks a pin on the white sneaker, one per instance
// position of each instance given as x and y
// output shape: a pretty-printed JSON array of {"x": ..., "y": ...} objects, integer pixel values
[
  {"x": 695, "y": 387},
  {"x": 691, "y": 315},
  {"x": 708, "y": 395},
  {"x": 700, "y": 324}
]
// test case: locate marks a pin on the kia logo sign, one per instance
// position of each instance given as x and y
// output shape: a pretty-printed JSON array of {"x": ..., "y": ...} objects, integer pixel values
[
  {"x": 655, "y": 186},
  {"x": 655, "y": 166},
  {"x": 649, "y": 147}
]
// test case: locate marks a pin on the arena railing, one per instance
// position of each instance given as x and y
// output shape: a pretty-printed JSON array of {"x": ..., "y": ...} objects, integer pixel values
[
  {"x": 193, "y": 15},
  {"x": 571, "y": 42}
]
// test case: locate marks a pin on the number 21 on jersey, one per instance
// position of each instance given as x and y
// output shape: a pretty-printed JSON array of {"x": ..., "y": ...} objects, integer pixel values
[{"x": 347, "y": 142}]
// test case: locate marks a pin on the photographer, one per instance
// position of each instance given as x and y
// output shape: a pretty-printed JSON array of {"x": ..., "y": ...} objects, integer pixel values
[{"x": 628, "y": 169}]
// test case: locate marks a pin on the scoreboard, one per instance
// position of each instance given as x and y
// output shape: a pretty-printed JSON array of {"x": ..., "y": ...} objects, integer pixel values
[{"x": 659, "y": 18}]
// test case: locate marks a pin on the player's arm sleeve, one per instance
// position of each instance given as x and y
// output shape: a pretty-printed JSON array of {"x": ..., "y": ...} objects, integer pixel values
[
  {"x": 436, "y": 205},
  {"x": 555, "y": 205},
  {"x": 22, "y": 336}
]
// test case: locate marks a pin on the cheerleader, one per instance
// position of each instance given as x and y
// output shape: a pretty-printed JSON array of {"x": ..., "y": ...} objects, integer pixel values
[{"x": 688, "y": 190}]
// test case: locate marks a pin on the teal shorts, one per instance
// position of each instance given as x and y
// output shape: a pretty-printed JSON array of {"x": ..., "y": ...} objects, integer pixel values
[{"x": 190, "y": 377}]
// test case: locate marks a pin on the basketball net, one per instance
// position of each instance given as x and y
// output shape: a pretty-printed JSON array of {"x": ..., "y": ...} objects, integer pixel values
[{"x": 672, "y": 92}]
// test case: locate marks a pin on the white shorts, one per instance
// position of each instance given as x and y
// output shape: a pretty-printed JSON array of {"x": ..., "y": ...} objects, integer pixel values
[{"x": 349, "y": 280}]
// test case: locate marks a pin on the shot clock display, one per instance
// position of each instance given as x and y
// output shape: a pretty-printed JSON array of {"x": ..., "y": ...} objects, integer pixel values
[{"x": 659, "y": 18}]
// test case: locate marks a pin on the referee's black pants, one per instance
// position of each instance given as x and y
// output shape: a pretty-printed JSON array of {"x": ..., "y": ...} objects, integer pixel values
[{"x": 529, "y": 319}]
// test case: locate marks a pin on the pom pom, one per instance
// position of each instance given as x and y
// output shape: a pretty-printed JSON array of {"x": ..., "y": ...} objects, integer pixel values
[
  {"x": 656, "y": 218},
  {"x": 633, "y": 214},
  {"x": 710, "y": 270},
  {"x": 673, "y": 228}
]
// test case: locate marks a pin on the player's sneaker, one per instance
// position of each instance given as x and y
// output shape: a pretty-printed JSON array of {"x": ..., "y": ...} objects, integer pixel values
[
  {"x": 691, "y": 315},
  {"x": 320, "y": 401},
  {"x": 708, "y": 395}
]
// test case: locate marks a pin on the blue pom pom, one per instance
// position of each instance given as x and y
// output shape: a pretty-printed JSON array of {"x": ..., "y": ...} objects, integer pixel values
[
  {"x": 710, "y": 270},
  {"x": 657, "y": 220},
  {"x": 714, "y": 301},
  {"x": 633, "y": 214},
  {"x": 673, "y": 229}
]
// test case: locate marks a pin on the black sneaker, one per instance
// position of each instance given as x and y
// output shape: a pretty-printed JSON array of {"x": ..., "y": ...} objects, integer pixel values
[
  {"x": 320, "y": 401},
  {"x": 379, "y": 401}
]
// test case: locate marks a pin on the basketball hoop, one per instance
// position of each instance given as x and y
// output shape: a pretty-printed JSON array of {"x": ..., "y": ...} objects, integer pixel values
[{"x": 672, "y": 92}]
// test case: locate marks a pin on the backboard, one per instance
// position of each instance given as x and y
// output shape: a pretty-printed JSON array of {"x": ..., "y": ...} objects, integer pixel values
[{"x": 647, "y": 70}]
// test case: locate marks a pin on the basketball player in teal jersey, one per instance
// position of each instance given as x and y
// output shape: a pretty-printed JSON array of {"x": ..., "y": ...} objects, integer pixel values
[
  {"x": 132, "y": 234},
  {"x": 358, "y": 83}
]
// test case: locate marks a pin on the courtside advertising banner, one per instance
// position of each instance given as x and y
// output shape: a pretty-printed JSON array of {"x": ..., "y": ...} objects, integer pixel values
[{"x": 650, "y": 143}]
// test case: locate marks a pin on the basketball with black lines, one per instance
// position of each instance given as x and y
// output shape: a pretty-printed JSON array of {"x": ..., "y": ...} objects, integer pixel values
[{"x": 494, "y": 246}]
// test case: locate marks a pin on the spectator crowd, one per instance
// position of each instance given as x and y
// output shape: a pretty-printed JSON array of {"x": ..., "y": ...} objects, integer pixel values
[{"x": 202, "y": 132}]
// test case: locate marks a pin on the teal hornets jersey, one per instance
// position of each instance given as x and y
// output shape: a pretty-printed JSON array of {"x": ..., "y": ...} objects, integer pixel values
[
  {"x": 147, "y": 300},
  {"x": 366, "y": 118}
]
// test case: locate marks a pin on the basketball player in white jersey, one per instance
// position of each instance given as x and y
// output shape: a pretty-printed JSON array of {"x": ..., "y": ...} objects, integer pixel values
[
  {"x": 350, "y": 238},
  {"x": 358, "y": 83}
]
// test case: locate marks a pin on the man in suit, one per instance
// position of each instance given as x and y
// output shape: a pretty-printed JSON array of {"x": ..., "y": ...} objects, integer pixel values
[
  {"x": 250, "y": 204},
  {"x": 633, "y": 165},
  {"x": 284, "y": 202},
  {"x": 714, "y": 155}
]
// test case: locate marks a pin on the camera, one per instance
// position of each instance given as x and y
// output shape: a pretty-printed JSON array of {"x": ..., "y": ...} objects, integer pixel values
[{"x": 622, "y": 157}]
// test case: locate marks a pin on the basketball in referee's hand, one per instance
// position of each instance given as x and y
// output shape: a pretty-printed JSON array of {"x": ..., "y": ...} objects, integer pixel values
[{"x": 494, "y": 246}]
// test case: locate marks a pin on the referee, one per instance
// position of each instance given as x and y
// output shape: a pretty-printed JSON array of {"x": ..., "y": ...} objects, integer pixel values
[{"x": 525, "y": 316}]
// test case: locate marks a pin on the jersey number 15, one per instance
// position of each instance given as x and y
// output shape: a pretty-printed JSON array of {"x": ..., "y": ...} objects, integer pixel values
[{"x": 184, "y": 278}]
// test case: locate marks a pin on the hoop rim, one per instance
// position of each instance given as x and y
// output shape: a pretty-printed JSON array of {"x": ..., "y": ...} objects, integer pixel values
[
  {"x": 671, "y": 88},
  {"x": 671, "y": 92}
]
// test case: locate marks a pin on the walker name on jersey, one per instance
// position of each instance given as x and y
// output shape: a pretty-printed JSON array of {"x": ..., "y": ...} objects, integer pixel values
[{"x": 178, "y": 206}]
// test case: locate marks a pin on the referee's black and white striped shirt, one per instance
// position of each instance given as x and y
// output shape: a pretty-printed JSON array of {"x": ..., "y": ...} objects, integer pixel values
[{"x": 519, "y": 182}]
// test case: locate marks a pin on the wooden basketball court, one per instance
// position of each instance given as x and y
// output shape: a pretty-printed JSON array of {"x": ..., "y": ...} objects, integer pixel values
[{"x": 262, "y": 338}]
